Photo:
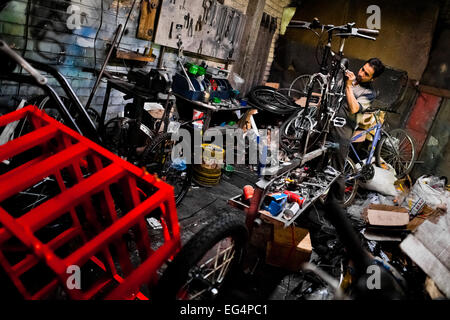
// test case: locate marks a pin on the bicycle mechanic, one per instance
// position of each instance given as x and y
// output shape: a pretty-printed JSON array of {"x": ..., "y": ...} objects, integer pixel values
[{"x": 359, "y": 93}]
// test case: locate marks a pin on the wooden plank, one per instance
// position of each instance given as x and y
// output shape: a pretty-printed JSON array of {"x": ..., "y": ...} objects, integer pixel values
[
  {"x": 444, "y": 93},
  {"x": 428, "y": 263},
  {"x": 133, "y": 56},
  {"x": 146, "y": 29}
]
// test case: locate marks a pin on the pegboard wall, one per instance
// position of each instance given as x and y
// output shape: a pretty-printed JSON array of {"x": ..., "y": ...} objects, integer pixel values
[{"x": 203, "y": 26}]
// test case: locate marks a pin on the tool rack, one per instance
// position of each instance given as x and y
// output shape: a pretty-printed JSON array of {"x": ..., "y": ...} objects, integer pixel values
[
  {"x": 101, "y": 200},
  {"x": 203, "y": 27}
]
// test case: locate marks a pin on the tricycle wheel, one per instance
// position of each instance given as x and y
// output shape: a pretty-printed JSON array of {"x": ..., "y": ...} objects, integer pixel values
[{"x": 201, "y": 268}]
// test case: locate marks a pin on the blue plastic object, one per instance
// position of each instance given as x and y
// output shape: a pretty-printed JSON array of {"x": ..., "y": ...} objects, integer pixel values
[
  {"x": 179, "y": 164},
  {"x": 276, "y": 204}
]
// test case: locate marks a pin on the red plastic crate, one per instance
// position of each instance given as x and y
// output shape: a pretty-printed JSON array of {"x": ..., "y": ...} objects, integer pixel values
[{"x": 93, "y": 216}]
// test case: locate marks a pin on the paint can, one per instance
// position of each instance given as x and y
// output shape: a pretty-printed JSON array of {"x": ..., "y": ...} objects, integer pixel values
[{"x": 291, "y": 210}]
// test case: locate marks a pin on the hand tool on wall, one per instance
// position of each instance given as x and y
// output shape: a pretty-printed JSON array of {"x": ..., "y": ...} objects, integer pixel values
[
  {"x": 190, "y": 29},
  {"x": 170, "y": 31},
  {"x": 200, "y": 48},
  {"x": 187, "y": 19},
  {"x": 223, "y": 16},
  {"x": 230, "y": 23},
  {"x": 198, "y": 25},
  {"x": 206, "y": 9},
  {"x": 225, "y": 24},
  {"x": 213, "y": 12}
]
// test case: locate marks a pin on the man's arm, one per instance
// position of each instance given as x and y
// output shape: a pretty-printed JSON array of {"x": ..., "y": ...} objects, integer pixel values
[{"x": 353, "y": 104}]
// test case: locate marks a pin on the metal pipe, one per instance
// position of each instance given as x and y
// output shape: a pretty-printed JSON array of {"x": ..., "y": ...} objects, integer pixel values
[{"x": 105, "y": 63}]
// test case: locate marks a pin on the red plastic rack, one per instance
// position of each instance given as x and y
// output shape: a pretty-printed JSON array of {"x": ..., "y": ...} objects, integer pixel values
[{"x": 94, "y": 219}]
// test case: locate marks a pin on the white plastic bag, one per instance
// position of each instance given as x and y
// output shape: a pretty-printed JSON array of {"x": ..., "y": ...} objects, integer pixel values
[
  {"x": 431, "y": 190},
  {"x": 382, "y": 182}
]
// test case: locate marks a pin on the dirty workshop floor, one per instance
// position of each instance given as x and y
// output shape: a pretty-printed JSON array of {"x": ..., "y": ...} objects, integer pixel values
[{"x": 257, "y": 280}]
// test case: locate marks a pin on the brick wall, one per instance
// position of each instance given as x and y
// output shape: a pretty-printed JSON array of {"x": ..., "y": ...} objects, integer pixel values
[{"x": 62, "y": 33}]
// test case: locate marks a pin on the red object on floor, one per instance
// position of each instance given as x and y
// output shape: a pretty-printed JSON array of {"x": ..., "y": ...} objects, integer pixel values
[
  {"x": 421, "y": 118},
  {"x": 97, "y": 211}
]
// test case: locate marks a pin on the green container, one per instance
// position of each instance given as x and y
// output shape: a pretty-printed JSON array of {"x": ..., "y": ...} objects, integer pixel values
[
  {"x": 228, "y": 170},
  {"x": 201, "y": 71},
  {"x": 192, "y": 68}
]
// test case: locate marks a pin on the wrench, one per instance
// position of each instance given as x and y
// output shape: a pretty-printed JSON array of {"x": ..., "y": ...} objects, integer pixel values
[
  {"x": 230, "y": 23},
  {"x": 222, "y": 18},
  {"x": 206, "y": 7},
  {"x": 214, "y": 12}
]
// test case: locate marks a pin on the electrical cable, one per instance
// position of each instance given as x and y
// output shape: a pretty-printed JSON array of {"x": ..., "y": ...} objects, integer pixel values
[
  {"x": 190, "y": 216},
  {"x": 24, "y": 50}
]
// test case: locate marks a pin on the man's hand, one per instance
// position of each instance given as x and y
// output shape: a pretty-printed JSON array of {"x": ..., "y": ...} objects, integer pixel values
[
  {"x": 350, "y": 78},
  {"x": 351, "y": 100}
]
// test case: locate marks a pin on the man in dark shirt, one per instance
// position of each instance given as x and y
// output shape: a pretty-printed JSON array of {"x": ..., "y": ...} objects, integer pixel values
[{"x": 359, "y": 96}]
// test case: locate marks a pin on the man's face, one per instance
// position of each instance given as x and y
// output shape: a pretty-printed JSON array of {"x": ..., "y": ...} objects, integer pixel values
[{"x": 365, "y": 73}]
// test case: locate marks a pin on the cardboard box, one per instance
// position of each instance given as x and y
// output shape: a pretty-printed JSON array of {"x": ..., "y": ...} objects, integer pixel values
[
  {"x": 427, "y": 213},
  {"x": 288, "y": 256},
  {"x": 384, "y": 215},
  {"x": 291, "y": 235}
]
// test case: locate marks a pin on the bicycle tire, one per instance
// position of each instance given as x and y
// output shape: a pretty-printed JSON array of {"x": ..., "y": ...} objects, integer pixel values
[
  {"x": 148, "y": 160},
  {"x": 263, "y": 97},
  {"x": 392, "y": 156},
  {"x": 350, "y": 169},
  {"x": 45, "y": 103},
  {"x": 190, "y": 261},
  {"x": 285, "y": 100}
]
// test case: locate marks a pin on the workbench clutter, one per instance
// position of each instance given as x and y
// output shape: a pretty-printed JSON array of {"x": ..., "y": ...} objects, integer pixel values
[{"x": 203, "y": 83}]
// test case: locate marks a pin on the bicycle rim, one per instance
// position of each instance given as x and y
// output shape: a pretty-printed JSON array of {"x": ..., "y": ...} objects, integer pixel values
[{"x": 397, "y": 149}]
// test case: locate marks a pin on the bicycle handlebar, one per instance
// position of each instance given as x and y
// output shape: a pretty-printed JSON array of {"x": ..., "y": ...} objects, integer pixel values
[
  {"x": 369, "y": 32},
  {"x": 347, "y": 30}
]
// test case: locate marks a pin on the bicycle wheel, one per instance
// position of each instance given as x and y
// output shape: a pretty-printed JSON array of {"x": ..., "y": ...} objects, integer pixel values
[
  {"x": 116, "y": 136},
  {"x": 293, "y": 130},
  {"x": 351, "y": 182},
  {"x": 158, "y": 159},
  {"x": 202, "y": 267},
  {"x": 298, "y": 87},
  {"x": 397, "y": 149},
  {"x": 46, "y": 103}
]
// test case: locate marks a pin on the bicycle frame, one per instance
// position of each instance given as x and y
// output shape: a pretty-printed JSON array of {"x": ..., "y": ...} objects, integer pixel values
[
  {"x": 376, "y": 138},
  {"x": 88, "y": 128}
]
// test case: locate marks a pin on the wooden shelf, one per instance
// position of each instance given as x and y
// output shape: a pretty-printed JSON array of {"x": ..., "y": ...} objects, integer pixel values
[{"x": 128, "y": 55}]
